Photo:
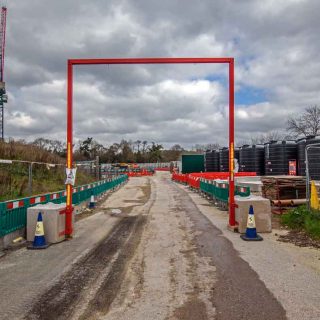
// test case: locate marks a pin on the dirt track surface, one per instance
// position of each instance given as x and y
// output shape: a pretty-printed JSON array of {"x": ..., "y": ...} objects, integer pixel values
[
  {"x": 161, "y": 257},
  {"x": 69, "y": 292},
  {"x": 163, "y": 260}
]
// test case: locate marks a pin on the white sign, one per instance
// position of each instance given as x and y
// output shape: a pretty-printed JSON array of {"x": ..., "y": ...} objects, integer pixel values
[
  {"x": 236, "y": 165},
  {"x": 71, "y": 176}
]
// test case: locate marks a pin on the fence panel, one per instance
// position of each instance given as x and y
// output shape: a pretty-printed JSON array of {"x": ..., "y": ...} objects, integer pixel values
[
  {"x": 13, "y": 213},
  {"x": 220, "y": 190}
]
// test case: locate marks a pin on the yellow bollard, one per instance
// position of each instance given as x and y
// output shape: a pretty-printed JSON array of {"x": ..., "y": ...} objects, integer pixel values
[{"x": 314, "y": 201}]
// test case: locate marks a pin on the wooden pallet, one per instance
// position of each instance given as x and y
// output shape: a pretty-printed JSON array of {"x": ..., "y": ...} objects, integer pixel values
[{"x": 283, "y": 188}]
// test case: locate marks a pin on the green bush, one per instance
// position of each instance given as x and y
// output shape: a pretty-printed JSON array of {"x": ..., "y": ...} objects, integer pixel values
[
  {"x": 312, "y": 224},
  {"x": 301, "y": 218}
]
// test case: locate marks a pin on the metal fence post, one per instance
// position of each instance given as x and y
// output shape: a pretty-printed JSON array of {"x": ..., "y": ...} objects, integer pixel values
[
  {"x": 30, "y": 179},
  {"x": 97, "y": 168},
  {"x": 314, "y": 145}
]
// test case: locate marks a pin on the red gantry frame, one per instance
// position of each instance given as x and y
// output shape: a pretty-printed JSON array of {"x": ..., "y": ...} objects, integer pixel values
[{"x": 74, "y": 62}]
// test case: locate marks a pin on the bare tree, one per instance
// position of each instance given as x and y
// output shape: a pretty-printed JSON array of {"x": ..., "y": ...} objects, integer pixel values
[
  {"x": 203, "y": 147},
  {"x": 212, "y": 146},
  {"x": 240, "y": 143},
  {"x": 176, "y": 147},
  {"x": 138, "y": 143},
  {"x": 306, "y": 124},
  {"x": 144, "y": 146},
  {"x": 266, "y": 137}
]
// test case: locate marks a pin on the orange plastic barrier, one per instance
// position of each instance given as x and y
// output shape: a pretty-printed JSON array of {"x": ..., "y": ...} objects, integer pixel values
[
  {"x": 193, "y": 179},
  {"x": 179, "y": 177},
  {"x": 141, "y": 173},
  {"x": 162, "y": 169}
]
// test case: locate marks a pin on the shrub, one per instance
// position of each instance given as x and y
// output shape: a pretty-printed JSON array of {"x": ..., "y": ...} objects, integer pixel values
[
  {"x": 301, "y": 218},
  {"x": 312, "y": 224}
]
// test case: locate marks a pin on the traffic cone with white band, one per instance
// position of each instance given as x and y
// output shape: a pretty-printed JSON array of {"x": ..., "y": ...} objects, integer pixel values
[
  {"x": 39, "y": 241},
  {"x": 251, "y": 232},
  {"x": 92, "y": 202}
]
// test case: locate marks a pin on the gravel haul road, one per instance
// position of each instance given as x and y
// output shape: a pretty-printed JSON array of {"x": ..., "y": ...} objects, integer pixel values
[{"x": 162, "y": 259}]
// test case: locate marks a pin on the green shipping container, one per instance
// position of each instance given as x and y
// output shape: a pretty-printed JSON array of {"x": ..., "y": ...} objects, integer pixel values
[{"x": 192, "y": 163}]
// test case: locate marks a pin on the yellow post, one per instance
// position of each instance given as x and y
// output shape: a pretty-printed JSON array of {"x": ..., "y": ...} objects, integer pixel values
[{"x": 314, "y": 201}]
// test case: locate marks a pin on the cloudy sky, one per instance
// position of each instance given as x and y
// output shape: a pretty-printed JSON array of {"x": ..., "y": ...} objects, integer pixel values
[{"x": 275, "y": 44}]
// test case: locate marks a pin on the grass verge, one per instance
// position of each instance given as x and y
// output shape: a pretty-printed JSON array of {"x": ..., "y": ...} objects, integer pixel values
[{"x": 301, "y": 218}]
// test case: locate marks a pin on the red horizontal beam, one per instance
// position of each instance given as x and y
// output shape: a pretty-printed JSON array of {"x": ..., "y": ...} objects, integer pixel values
[{"x": 149, "y": 61}]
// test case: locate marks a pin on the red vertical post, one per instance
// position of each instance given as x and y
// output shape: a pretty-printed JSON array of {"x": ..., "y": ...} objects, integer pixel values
[
  {"x": 232, "y": 220},
  {"x": 69, "y": 209}
]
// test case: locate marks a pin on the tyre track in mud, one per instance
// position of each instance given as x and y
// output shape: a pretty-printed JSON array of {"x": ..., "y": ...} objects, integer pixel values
[
  {"x": 82, "y": 284},
  {"x": 60, "y": 301},
  {"x": 165, "y": 280},
  {"x": 111, "y": 285}
]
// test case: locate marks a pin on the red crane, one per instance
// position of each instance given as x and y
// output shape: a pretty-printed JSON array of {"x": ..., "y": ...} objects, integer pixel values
[{"x": 3, "y": 96}]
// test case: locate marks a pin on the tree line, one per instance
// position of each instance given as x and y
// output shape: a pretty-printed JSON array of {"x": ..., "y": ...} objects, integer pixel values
[
  {"x": 301, "y": 125},
  {"x": 124, "y": 151}
]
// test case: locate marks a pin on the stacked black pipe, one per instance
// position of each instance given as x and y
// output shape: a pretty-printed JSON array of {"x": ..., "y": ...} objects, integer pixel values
[
  {"x": 251, "y": 159},
  {"x": 277, "y": 156},
  {"x": 313, "y": 157},
  {"x": 272, "y": 158},
  {"x": 211, "y": 161},
  {"x": 224, "y": 158}
]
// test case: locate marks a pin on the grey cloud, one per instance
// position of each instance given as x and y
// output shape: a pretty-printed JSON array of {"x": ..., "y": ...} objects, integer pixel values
[{"x": 275, "y": 44}]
